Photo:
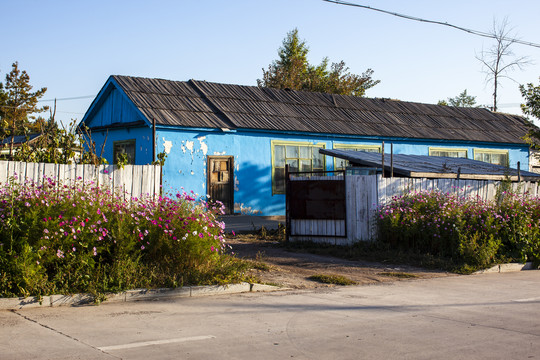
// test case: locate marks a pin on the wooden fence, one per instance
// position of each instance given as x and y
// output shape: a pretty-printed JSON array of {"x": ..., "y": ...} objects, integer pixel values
[
  {"x": 132, "y": 180},
  {"x": 366, "y": 193}
]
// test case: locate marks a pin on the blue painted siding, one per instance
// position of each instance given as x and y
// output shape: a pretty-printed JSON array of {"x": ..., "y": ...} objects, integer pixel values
[
  {"x": 187, "y": 151},
  {"x": 185, "y": 167},
  {"x": 115, "y": 108},
  {"x": 143, "y": 143}
]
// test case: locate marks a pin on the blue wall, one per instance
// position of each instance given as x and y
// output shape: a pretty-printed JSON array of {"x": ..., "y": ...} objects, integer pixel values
[
  {"x": 143, "y": 142},
  {"x": 185, "y": 167},
  {"x": 187, "y": 151}
]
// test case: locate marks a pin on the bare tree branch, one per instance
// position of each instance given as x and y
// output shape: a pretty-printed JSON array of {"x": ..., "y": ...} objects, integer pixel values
[{"x": 499, "y": 59}]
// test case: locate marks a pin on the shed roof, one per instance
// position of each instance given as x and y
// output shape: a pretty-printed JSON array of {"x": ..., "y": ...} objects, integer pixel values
[
  {"x": 212, "y": 105},
  {"x": 19, "y": 139},
  {"x": 432, "y": 166}
]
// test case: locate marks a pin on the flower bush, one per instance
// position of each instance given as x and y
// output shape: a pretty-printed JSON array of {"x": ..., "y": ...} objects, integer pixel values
[
  {"x": 472, "y": 232},
  {"x": 58, "y": 239}
]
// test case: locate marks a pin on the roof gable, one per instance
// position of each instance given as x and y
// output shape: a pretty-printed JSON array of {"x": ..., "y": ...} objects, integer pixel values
[
  {"x": 112, "y": 107},
  {"x": 212, "y": 105}
]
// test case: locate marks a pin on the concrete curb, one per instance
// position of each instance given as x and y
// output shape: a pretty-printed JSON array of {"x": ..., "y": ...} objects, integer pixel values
[
  {"x": 133, "y": 295},
  {"x": 511, "y": 267}
]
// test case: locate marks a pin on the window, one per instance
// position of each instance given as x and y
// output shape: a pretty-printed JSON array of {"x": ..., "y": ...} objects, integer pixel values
[
  {"x": 451, "y": 152},
  {"x": 299, "y": 156},
  {"x": 126, "y": 147},
  {"x": 498, "y": 157},
  {"x": 342, "y": 164}
]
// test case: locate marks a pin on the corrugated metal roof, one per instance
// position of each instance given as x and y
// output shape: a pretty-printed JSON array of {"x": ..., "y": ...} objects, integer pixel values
[
  {"x": 19, "y": 139},
  {"x": 432, "y": 166},
  {"x": 212, "y": 105}
]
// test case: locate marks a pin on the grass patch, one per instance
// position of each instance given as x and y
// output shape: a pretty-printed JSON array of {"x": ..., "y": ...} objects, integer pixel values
[
  {"x": 332, "y": 279},
  {"x": 259, "y": 264},
  {"x": 400, "y": 275}
]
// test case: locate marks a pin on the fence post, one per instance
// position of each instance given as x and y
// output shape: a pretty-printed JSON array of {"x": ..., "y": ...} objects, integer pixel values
[
  {"x": 382, "y": 159},
  {"x": 287, "y": 215}
]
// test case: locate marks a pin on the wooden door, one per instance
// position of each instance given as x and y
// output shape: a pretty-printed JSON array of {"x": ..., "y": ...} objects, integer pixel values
[{"x": 221, "y": 180}]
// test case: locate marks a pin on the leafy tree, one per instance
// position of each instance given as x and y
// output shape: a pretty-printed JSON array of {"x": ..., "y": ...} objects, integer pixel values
[
  {"x": 499, "y": 59},
  {"x": 19, "y": 104},
  {"x": 293, "y": 71},
  {"x": 531, "y": 107},
  {"x": 531, "y": 94},
  {"x": 462, "y": 100}
]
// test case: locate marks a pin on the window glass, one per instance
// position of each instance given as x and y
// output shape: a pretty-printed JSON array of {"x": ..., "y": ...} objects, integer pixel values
[
  {"x": 305, "y": 152},
  {"x": 342, "y": 164},
  {"x": 279, "y": 155},
  {"x": 299, "y": 157},
  {"x": 292, "y": 152},
  {"x": 492, "y": 156},
  {"x": 305, "y": 165},
  {"x": 293, "y": 165},
  {"x": 124, "y": 150},
  {"x": 318, "y": 159},
  {"x": 457, "y": 153}
]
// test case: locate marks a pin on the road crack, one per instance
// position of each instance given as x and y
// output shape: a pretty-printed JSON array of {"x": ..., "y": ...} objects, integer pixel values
[{"x": 27, "y": 318}]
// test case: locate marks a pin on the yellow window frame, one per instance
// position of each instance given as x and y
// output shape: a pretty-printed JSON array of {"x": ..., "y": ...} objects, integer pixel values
[
  {"x": 493, "y": 151},
  {"x": 353, "y": 147},
  {"x": 433, "y": 149},
  {"x": 275, "y": 190}
]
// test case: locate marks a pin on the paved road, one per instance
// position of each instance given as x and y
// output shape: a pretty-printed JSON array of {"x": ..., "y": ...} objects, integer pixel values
[
  {"x": 250, "y": 223},
  {"x": 489, "y": 316}
]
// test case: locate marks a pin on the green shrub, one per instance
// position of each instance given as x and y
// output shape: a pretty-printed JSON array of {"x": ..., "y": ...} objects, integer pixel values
[
  {"x": 60, "y": 238},
  {"x": 468, "y": 231}
]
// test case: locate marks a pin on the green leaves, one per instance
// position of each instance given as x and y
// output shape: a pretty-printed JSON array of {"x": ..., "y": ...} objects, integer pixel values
[
  {"x": 57, "y": 239},
  {"x": 471, "y": 232},
  {"x": 293, "y": 71},
  {"x": 462, "y": 100}
]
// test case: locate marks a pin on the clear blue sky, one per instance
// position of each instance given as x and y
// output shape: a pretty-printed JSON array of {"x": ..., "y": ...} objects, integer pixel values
[{"x": 71, "y": 47}]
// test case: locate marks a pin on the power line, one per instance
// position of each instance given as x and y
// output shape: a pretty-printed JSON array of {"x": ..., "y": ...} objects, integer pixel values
[
  {"x": 70, "y": 98},
  {"x": 470, "y": 31}
]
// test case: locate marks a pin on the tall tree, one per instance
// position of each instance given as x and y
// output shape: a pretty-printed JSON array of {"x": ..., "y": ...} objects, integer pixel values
[
  {"x": 499, "y": 59},
  {"x": 531, "y": 107},
  {"x": 293, "y": 71},
  {"x": 19, "y": 105},
  {"x": 462, "y": 100}
]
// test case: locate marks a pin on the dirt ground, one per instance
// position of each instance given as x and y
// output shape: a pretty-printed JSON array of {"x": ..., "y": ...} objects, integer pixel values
[{"x": 292, "y": 269}]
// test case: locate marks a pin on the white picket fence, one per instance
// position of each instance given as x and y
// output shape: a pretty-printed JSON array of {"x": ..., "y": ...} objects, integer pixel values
[
  {"x": 366, "y": 193},
  {"x": 132, "y": 180}
]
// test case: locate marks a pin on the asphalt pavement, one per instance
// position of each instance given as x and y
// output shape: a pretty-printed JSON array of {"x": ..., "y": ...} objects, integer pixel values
[{"x": 485, "y": 316}]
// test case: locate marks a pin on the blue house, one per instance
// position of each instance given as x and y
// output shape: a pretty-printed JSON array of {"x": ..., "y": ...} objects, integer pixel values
[{"x": 232, "y": 142}]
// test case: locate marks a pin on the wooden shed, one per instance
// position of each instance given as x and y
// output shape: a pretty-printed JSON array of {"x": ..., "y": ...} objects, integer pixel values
[{"x": 340, "y": 209}]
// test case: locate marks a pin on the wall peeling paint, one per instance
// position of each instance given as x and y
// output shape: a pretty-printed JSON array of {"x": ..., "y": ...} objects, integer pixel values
[
  {"x": 189, "y": 146},
  {"x": 204, "y": 146},
  {"x": 236, "y": 183},
  {"x": 220, "y": 153},
  {"x": 167, "y": 146}
]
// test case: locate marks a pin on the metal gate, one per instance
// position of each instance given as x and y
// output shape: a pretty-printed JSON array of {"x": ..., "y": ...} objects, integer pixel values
[{"x": 315, "y": 205}]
